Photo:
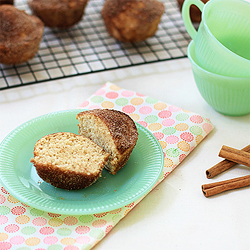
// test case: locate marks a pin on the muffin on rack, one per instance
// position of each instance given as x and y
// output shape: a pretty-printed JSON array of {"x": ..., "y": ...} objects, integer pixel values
[
  {"x": 112, "y": 130},
  {"x": 195, "y": 13},
  {"x": 20, "y": 35},
  {"x": 58, "y": 13},
  {"x": 132, "y": 20},
  {"x": 6, "y": 2},
  {"x": 68, "y": 161}
]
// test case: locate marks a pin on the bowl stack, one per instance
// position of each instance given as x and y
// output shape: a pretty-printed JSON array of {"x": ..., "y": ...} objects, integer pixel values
[{"x": 220, "y": 54}]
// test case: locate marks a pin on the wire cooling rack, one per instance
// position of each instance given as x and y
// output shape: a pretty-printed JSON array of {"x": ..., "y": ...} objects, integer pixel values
[{"x": 88, "y": 48}]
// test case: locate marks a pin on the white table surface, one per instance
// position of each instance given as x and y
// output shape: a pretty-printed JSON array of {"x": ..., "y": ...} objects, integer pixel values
[{"x": 175, "y": 215}]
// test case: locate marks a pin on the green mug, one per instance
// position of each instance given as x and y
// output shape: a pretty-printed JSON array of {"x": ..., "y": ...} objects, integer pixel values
[{"x": 222, "y": 42}]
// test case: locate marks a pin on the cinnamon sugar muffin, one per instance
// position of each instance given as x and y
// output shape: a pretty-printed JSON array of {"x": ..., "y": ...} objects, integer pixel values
[
  {"x": 132, "y": 20},
  {"x": 68, "y": 161},
  {"x": 20, "y": 35},
  {"x": 195, "y": 13},
  {"x": 6, "y": 2},
  {"x": 58, "y": 13},
  {"x": 112, "y": 130}
]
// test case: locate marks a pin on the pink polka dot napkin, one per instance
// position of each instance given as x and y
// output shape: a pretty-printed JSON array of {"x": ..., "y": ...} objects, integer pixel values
[{"x": 179, "y": 131}]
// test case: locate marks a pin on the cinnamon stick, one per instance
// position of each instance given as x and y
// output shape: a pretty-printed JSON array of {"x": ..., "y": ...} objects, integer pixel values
[
  {"x": 235, "y": 155},
  {"x": 223, "y": 165},
  {"x": 222, "y": 186}
]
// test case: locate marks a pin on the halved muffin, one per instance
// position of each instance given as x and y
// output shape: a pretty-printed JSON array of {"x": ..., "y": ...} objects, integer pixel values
[
  {"x": 68, "y": 161},
  {"x": 112, "y": 130}
]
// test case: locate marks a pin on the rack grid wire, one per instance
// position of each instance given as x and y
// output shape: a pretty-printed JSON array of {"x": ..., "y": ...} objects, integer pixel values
[{"x": 88, "y": 48}]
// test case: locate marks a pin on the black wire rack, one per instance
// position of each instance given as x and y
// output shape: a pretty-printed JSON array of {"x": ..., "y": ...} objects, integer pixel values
[{"x": 88, "y": 48}]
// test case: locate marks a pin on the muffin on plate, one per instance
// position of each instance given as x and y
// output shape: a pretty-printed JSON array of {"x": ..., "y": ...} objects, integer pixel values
[
  {"x": 68, "y": 161},
  {"x": 20, "y": 35},
  {"x": 112, "y": 130}
]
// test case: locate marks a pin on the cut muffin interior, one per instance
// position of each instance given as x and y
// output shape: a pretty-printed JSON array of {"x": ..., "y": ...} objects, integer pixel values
[
  {"x": 68, "y": 161},
  {"x": 112, "y": 130}
]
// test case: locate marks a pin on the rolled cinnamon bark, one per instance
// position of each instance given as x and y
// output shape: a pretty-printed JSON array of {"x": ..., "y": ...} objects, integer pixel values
[
  {"x": 222, "y": 186},
  {"x": 235, "y": 155},
  {"x": 223, "y": 165}
]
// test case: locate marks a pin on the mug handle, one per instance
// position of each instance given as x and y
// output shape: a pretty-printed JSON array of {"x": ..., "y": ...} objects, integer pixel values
[{"x": 186, "y": 15}]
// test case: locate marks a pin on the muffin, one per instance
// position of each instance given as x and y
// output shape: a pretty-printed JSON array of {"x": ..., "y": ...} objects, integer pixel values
[
  {"x": 20, "y": 35},
  {"x": 6, "y": 2},
  {"x": 58, "y": 13},
  {"x": 68, "y": 161},
  {"x": 112, "y": 130},
  {"x": 195, "y": 13},
  {"x": 132, "y": 20}
]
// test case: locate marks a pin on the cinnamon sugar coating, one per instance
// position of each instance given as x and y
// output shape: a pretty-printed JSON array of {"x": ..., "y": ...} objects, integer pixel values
[
  {"x": 112, "y": 130},
  {"x": 58, "y": 13},
  {"x": 6, "y": 2},
  {"x": 195, "y": 13},
  {"x": 132, "y": 20},
  {"x": 68, "y": 161},
  {"x": 20, "y": 35}
]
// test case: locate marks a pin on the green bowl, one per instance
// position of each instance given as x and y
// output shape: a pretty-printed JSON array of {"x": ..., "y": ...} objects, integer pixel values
[
  {"x": 222, "y": 42},
  {"x": 227, "y": 95}
]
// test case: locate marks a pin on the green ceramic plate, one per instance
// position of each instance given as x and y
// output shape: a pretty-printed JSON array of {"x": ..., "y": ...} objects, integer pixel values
[{"x": 110, "y": 192}]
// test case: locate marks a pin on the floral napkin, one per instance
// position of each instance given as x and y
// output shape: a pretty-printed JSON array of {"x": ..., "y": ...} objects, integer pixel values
[{"x": 179, "y": 131}]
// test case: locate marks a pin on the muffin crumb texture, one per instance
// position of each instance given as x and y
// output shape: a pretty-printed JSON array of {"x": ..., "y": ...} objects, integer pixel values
[
  {"x": 112, "y": 130},
  {"x": 68, "y": 161}
]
